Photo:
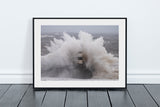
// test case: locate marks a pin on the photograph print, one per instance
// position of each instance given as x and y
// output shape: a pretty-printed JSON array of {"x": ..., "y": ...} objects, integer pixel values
[{"x": 79, "y": 53}]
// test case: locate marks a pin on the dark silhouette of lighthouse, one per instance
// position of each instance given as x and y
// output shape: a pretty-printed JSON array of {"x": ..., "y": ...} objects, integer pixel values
[{"x": 81, "y": 60}]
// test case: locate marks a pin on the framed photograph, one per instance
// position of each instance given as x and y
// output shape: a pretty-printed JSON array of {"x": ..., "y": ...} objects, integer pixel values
[{"x": 79, "y": 52}]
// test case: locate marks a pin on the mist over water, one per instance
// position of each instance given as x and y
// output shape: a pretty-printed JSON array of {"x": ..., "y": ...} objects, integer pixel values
[{"x": 92, "y": 29}]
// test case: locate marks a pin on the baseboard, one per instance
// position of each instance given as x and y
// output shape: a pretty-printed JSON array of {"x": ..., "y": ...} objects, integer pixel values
[
  {"x": 16, "y": 79},
  {"x": 143, "y": 78},
  {"x": 131, "y": 78}
]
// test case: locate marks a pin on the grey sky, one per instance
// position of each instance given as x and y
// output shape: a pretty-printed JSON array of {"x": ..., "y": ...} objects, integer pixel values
[{"x": 50, "y": 29}]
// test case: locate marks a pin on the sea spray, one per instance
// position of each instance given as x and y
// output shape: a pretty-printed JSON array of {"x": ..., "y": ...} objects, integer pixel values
[{"x": 62, "y": 59}]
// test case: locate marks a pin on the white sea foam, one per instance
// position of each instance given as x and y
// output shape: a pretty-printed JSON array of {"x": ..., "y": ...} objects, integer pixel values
[{"x": 63, "y": 53}]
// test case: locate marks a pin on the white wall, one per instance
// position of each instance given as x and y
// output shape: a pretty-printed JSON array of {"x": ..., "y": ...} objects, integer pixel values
[{"x": 143, "y": 33}]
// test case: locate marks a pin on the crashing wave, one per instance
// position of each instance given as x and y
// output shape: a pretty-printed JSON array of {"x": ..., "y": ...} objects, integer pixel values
[{"x": 83, "y": 57}]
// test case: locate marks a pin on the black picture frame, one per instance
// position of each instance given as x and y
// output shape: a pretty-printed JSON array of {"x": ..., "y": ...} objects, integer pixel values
[{"x": 70, "y": 18}]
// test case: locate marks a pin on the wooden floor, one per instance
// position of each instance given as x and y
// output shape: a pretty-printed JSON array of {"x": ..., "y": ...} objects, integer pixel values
[{"x": 134, "y": 96}]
